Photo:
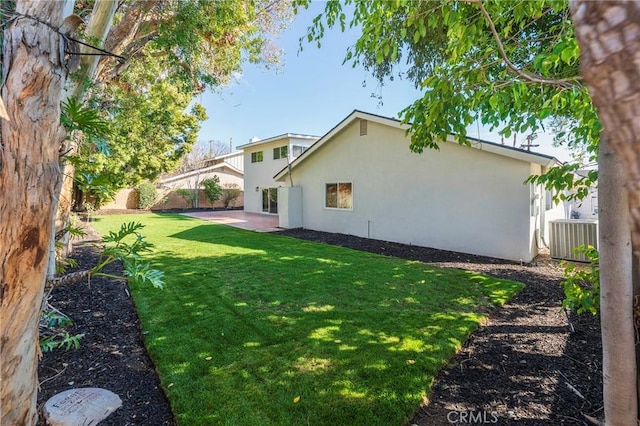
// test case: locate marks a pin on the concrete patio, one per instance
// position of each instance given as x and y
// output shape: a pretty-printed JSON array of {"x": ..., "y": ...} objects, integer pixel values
[{"x": 240, "y": 219}]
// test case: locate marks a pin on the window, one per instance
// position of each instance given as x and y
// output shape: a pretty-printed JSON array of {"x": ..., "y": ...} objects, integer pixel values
[
  {"x": 297, "y": 150},
  {"x": 548, "y": 199},
  {"x": 338, "y": 196},
  {"x": 256, "y": 157},
  {"x": 280, "y": 152}
]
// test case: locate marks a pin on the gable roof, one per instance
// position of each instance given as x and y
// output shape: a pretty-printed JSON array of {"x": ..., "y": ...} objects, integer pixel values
[
  {"x": 225, "y": 156},
  {"x": 496, "y": 148},
  {"x": 208, "y": 169},
  {"x": 311, "y": 138}
]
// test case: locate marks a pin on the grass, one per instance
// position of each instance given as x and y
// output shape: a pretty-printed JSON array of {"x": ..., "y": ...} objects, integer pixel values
[{"x": 256, "y": 328}]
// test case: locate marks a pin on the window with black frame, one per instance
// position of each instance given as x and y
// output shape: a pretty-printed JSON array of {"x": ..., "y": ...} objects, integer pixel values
[{"x": 280, "y": 152}]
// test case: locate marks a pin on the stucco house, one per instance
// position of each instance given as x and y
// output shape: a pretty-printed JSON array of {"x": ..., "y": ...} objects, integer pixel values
[
  {"x": 228, "y": 167},
  {"x": 361, "y": 179},
  {"x": 263, "y": 158}
]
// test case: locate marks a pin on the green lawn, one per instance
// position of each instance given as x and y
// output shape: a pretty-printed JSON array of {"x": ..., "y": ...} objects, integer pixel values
[{"x": 256, "y": 329}]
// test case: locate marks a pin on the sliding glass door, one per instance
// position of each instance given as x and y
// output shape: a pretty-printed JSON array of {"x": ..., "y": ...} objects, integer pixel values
[{"x": 270, "y": 200}]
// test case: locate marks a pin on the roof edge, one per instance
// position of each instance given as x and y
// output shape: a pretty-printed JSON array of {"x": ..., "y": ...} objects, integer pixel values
[
  {"x": 275, "y": 138},
  {"x": 493, "y": 147},
  {"x": 194, "y": 172}
]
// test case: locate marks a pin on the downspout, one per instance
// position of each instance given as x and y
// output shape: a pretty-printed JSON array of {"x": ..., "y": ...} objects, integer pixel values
[
  {"x": 289, "y": 168},
  {"x": 543, "y": 218}
]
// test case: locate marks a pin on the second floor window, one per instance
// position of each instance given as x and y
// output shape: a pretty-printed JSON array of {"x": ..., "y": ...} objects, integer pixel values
[
  {"x": 256, "y": 157},
  {"x": 297, "y": 150},
  {"x": 280, "y": 152}
]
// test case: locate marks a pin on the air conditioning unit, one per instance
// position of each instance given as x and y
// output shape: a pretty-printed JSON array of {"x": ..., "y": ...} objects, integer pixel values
[{"x": 566, "y": 235}]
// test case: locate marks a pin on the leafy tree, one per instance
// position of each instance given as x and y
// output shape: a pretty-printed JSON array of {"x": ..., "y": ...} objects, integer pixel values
[
  {"x": 514, "y": 66},
  {"x": 511, "y": 66},
  {"x": 150, "y": 134},
  {"x": 196, "y": 44},
  {"x": 212, "y": 189},
  {"x": 159, "y": 54}
]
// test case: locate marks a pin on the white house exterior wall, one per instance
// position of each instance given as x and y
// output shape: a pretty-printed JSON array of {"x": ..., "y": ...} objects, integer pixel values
[
  {"x": 260, "y": 175},
  {"x": 555, "y": 212},
  {"x": 457, "y": 198}
]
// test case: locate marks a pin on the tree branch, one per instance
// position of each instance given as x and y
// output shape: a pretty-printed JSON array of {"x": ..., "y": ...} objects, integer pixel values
[
  {"x": 71, "y": 278},
  {"x": 563, "y": 83}
]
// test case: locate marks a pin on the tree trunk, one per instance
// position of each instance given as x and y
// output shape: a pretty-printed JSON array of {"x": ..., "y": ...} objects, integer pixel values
[
  {"x": 29, "y": 173},
  {"x": 97, "y": 29},
  {"x": 616, "y": 293},
  {"x": 607, "y": 33}
]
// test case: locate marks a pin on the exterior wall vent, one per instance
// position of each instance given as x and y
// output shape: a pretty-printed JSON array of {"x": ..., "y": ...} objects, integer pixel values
[
  {"x": 566, "y": 235},
  {"x": 363, "y": 127}
]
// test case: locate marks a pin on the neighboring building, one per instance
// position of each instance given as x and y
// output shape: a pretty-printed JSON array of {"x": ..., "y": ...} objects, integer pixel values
[
  {"x": 229, "y": 168},
  {"x": 264, "y": 158},
  {"x": 587, "y": 208},
  {"x": 233, "y": 159},
  {"x": 362, "y": 179}
]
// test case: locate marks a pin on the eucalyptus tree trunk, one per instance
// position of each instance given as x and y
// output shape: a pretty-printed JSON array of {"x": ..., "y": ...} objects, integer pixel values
[
  {"x": 97, "y": 29},
  {"x": 29, "y": 173},
  {"x": 608, "y": 34}
]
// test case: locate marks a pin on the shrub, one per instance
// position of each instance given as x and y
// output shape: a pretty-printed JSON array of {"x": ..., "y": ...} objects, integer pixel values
[
  {"x": 581, "y": 285},
  {"x": 146, "y": 195},
  {"x": 212, "y": 189},
  {"x": 117, "y": 247},
  {"x": 188, "y": 195},
  {"x": 230, "y": 193}
]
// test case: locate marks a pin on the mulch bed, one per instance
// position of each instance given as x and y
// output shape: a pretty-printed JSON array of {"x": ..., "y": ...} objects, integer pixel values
[
  {"x": 112, "y": 354},
  {"x": 522, "y": 367}
]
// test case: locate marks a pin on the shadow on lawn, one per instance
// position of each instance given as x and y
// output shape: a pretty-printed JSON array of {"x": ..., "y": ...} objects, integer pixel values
[
  {"x": 241, "y": 335},
  {"x": 524, "y": 366}
]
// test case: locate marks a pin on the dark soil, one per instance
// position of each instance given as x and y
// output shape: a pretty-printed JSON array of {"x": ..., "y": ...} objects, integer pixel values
[
  {"x": 523, "y": 366},
  {"x": 111, "y": 355}
]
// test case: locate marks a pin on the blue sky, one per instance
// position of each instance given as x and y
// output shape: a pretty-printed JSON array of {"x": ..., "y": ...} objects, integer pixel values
[{"x": 310, "y": 93}]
